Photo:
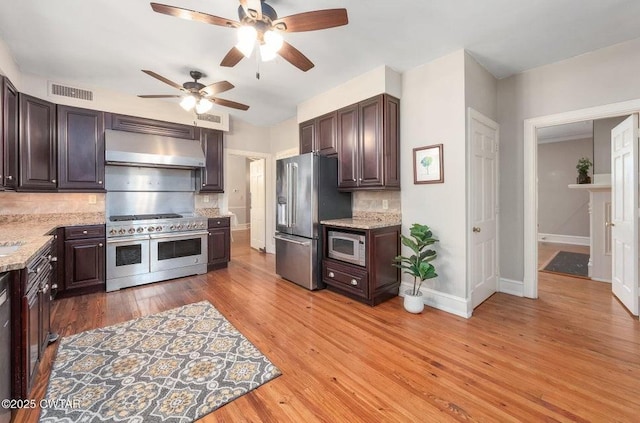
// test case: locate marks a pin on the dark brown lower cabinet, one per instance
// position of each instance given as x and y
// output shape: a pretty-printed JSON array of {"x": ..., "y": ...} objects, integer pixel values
[
  {"x": 31, "y": 296},
  {"x": 219, "y": 246},
  {"x": 375, "y": 282},
  {"x": 84, "y": 260}
]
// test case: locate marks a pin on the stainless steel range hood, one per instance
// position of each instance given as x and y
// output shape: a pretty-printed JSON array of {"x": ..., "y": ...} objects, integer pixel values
[{"x": 133, "y": 149}]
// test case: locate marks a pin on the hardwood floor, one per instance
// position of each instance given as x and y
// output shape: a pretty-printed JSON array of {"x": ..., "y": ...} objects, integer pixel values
[{"x": 572, "y": 355}]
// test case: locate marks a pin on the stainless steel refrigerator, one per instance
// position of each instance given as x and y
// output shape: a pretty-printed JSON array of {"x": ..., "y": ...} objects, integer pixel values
[{"x": 307, "y": 192}]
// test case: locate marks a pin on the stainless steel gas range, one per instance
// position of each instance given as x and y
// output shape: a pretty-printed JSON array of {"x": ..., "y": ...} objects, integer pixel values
[{"x": 153, "y": 247}]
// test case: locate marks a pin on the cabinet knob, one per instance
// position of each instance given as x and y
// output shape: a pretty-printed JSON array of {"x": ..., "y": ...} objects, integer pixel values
[
  {"x": 100, "y": 245},
  {"x": 331, "y": 274},
  {"x": 354, "y": 282},
  {"x": 203, "y": 184},
  {"x": 354, "y": 179},
  {"x": 84, "y": 232},
  {"x": 100, "y": 182},
  {"x": 53, "y": 181},
  {"x": 360, "y": 179},
  {"x": 209, "y": 233},
  {"x": 9, "y": 178}
]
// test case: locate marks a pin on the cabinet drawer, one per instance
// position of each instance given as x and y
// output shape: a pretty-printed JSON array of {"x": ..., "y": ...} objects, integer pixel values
[
  {"x": 219, "y": 222},
  {"x": 352, "y": 279},
  {"x": 88, "y": 231}
]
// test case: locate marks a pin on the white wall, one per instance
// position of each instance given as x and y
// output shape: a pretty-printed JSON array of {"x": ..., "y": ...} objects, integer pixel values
[
  {"x": 380, "y": 80},
  {"x": 562, "y": 210},
  {"x": 602, "y": 77},
  {"x": 8, "y": 66},
  {"x": 433, "y": 112},
  {"x": 480, "y": 88},
  {"x": 237, "y": 187}
]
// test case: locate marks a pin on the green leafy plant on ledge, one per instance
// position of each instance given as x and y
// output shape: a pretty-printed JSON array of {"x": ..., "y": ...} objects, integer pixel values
[
  {"x": 584, "y": 164},
  {"x": 419, "y": 263}
]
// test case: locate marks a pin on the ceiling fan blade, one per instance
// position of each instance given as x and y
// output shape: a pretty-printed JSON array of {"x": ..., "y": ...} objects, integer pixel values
[
  {"x": 160, "y": 96},
  {"x": 229, "y": 103},
  {"x": 295, "y": 57},
  {"x": 216, "y": 88},
  {"x": 163, "y": 79},
  {"x": 193, "y": 15},
  {"x": 232, "y": 58},
  {"x": 312, "y": 21},
  {"x": 252, "y": 8}
]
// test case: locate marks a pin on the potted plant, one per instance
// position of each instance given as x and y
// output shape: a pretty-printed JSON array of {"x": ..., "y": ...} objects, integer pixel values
[
  {"x": 583, "y": 170},
  {"x": 417, "y": 264}
]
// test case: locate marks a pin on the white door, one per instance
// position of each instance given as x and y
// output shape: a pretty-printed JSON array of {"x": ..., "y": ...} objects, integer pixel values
[
  {"x": 483, "y": 196},
  {"x": 256, "y": 186},
  {"x": 624, "y": 212}
]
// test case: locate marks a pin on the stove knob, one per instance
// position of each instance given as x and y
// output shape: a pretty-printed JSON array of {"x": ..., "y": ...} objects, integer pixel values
[
  {"x": 122, "y": 231},
  {"x": 172, "y": 227},
  {"x": 180, "y": 226},
  {"x": 132, "y": 231},
  {"x": 189, "y": 226},
  {"x": 158, "y": 228},
  {"x": 112, "y": 232},
  {"x": 150, "y": 228},
  {"x": 140, "y": 230},
  {"x": 201, "y": 225}
]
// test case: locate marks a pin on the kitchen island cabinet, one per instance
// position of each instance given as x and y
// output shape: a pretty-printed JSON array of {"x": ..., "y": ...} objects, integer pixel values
[
  {"x": 219, "y": 245},
  {"x": 375, "y": 282},
  {"x": 38, "y": 163},
  {"x": 80, "y": 149},
  {"x": 9, "y": 124}
]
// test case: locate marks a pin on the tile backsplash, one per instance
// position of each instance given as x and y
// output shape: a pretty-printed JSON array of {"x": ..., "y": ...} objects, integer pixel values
[
  {"x": 374, "y": 201},
  {"x": 47, "y": 203}
]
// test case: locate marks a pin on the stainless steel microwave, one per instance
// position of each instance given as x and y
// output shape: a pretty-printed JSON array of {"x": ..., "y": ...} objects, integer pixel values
[{"x": 346, "y": 246}]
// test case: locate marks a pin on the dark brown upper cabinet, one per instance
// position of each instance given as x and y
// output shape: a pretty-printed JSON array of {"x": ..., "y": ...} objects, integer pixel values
[
  {"x": 319, "y": 135},
  {"x": 38, "y": 163},
  {"x": 368, "y": 137},
  {"x": 80, "y": 149},
  {"x": 9, "y": 141},
  {"x": 213, "y": 172},
  {"x": 150, "y": 126}
]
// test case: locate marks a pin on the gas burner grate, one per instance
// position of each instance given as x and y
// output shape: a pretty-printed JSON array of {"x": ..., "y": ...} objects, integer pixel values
[{"x": 132, "y": 217}]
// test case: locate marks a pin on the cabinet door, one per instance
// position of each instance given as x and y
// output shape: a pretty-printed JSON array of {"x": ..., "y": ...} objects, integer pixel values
[
  {"x": 80, "y": 149},
  {"x": 9, "y": 134},
  {"x": 347, "y": 142},
  {"x": 38, "y": 164},
  {"x": 2, "y": 147},
  {"x": 150, "y": 126},
  {"x": 219, "y": 246},
  {"x": 326, "y": 133},
  {"x": 212, "y": 173},
  {"x": 31, "y": 327},
  {"x": 307, "y": 134},
  {"x": 391, "y": 141},
  {"x": 84, "y": 263},
  {"x": 370, "y": 145}
]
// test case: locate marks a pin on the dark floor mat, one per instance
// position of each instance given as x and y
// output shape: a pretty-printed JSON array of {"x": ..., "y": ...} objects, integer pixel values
[{"x": 575, "y": 264}]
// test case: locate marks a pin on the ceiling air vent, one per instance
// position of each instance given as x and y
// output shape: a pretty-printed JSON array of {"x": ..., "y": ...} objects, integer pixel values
[
  {"x": 210, "y": 118},
  {"x": 63, "y": 90}
]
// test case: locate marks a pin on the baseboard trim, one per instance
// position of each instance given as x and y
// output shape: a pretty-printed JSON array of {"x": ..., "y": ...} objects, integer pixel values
[
  {"x": 564, "y": 239},
  {"x": 511, "y": 287},
  {"x": 440, "y": 300}
]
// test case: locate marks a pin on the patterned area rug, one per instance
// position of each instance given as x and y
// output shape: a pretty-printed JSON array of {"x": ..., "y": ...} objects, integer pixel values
[
  {"x": 175, "y": 366},
  {"x": 574, "y": 264}
]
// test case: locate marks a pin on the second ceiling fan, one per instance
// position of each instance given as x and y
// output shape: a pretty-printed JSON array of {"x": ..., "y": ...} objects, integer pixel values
[{"x": 261, "y": 24}]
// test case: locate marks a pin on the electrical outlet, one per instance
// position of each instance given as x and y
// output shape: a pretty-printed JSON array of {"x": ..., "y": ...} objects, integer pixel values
[
  {"x": 206, "y": 199},
  {"x": 92, "y": 199},
  {"x": 385, "y": 204}
]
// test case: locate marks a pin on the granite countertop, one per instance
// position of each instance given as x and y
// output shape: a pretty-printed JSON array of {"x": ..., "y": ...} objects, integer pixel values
[
  {"x": 212, "y": 213},
  {"x": 32, "y": 232},
  {"x": 366, "y": 220}
]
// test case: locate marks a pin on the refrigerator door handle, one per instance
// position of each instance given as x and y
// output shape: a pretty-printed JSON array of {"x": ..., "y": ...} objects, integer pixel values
[
  {"x": 289, "y": 194},
  {"x": 294, "y": 194},
  {"x": 286, "y": 239}
]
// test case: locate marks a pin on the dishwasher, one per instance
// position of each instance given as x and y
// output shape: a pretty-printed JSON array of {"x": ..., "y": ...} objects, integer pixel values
[{"x": 5, "y": 346}]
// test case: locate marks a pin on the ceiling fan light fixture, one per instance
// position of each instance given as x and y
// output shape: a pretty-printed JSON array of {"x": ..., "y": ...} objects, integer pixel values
[
  {"x": 188, "y": 102},
  {"x": 203, "y": 106},
  {"x": 267, "y": 53},
  {"x": 247, "y": 36},
  {"x": 273, "y": 40}
]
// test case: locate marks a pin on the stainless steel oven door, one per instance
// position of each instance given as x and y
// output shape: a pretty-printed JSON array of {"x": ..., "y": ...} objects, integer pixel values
[
  {"x": 169, "y": 251},
  {"x": 127, "y": 256}
]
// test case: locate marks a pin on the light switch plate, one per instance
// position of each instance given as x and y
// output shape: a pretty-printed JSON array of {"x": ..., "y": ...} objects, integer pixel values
[
  {"x": 206, "y": 199},
  {"x": 92, "y": 199},
  {"x": 385, "y": 204}
]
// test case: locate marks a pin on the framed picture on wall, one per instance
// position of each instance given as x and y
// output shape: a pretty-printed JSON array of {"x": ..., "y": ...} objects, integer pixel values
[{"x": 428, "y": 167}]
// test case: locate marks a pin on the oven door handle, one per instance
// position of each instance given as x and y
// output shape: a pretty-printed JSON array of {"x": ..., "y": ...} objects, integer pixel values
[
  {"x": 179, "y": 235},
  {"x": 130, "y": 239}
]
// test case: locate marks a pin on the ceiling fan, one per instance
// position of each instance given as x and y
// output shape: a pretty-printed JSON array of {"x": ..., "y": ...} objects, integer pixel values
[
  {"x": 197, "y": 95},
  {"x": 260, "y": 24}
]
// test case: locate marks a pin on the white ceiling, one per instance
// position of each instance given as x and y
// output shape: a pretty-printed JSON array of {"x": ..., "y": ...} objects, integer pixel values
[{"x": 105, "y": 43}]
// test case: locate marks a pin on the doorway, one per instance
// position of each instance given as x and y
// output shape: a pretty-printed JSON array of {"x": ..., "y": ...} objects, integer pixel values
[
  {"x": 530, "y": 282},
  {"x": 246, "y": 200}
]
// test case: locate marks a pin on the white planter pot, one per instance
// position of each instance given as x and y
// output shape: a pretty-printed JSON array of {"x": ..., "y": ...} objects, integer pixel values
[{"x": 413, "y": 303}]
